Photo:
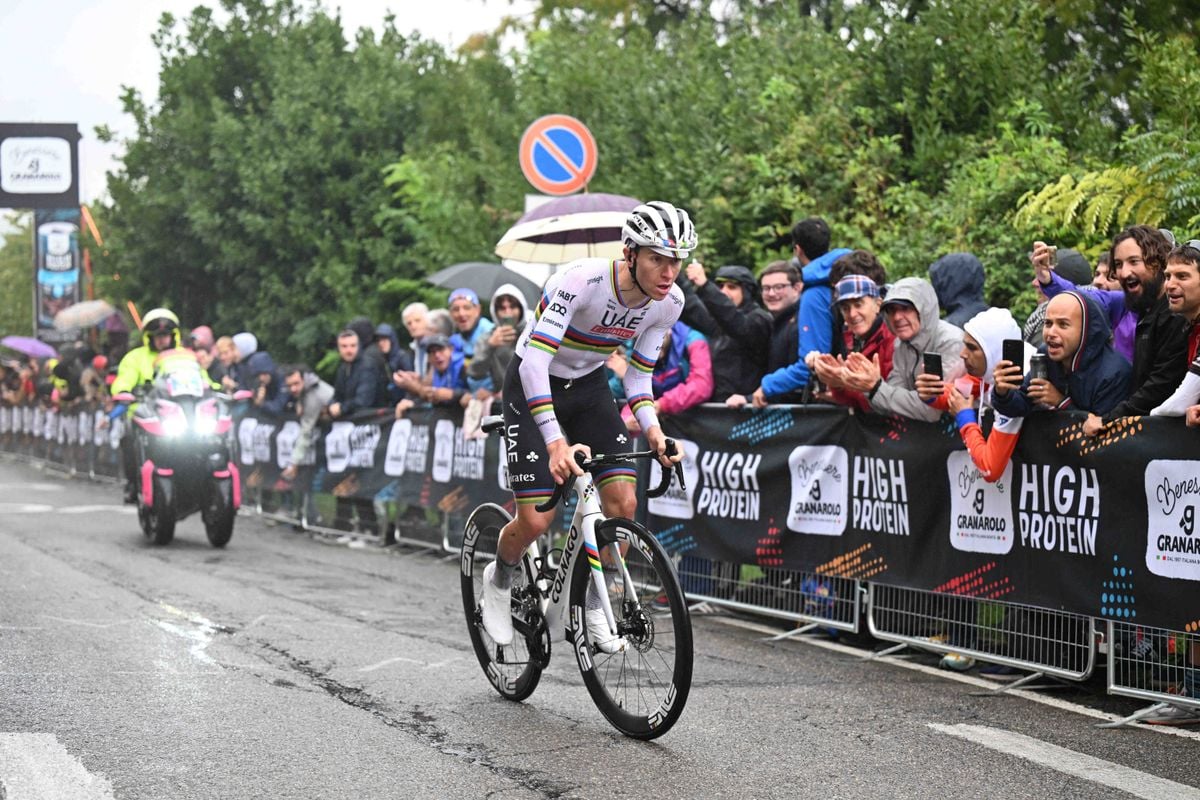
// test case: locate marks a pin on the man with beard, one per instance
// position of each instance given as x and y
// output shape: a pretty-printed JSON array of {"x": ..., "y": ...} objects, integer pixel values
[{"x": 1139, "y": 259}]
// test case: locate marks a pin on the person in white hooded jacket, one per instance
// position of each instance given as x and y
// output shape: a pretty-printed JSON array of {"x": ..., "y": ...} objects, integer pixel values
[
  {"x": 485, "y": 372},
  {"x": 968, "y": 397},
  {"x": 911, "y": 312}
]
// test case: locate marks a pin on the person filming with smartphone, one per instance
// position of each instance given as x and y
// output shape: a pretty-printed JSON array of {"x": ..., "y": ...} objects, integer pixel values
[
  {"x": 1082, "y": 369},
  {"x": 487, "y": 368}
]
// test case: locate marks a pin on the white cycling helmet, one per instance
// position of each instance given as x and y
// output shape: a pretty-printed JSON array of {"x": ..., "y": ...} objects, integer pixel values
[{"x": 662, "y": 227}]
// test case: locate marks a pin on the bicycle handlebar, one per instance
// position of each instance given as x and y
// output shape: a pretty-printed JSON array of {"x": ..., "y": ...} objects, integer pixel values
[{"x": 602, "y": 460}]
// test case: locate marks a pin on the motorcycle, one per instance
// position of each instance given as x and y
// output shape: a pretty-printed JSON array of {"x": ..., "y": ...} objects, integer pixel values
[{"x": 181, "y": 428}]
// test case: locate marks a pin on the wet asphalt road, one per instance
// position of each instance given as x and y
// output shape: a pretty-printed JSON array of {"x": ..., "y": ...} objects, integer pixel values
[{"x": 286, "y": 667}]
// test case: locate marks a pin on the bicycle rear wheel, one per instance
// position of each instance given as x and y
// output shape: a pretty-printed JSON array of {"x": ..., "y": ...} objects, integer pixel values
[
  {"x": 514, "y": 670},
  {"x": 641, "y": 690}
]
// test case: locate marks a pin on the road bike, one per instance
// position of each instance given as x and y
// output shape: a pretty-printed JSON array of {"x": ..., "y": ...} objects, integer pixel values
[{"x": 641, "y": 689}]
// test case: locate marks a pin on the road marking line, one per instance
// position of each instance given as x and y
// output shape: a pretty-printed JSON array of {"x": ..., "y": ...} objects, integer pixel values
[
  {"x": 1070, "y": 762},
  {"x": 1053, "y": 702},
  {"x": 388, "y": 661},
  {"x": 36, "y": 765}
]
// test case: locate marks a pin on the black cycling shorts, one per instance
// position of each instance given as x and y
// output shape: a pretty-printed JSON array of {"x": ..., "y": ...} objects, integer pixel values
[{"x": 587, "y": 414}]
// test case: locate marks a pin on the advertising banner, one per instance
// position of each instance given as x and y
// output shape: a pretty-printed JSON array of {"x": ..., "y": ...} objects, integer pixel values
[
  {"x": 39, "y": 165},
  {"x": 1104, "y": 527},
  {"x": 58, "y": 266}
]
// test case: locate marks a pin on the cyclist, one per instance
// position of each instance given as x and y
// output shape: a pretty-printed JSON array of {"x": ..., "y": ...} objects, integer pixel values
[
  {"x": 160, "y": 332},
  {"x": 555, "y": 387}
]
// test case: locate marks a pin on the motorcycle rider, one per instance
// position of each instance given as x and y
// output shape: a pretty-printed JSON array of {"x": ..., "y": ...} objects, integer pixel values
[{"x": 160, "y": 332}]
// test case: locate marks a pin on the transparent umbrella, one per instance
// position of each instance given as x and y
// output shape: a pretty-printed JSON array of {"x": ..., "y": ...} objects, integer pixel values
[
  {"x": 576, "y": 226},
  {"x": 83, "y": 315}
]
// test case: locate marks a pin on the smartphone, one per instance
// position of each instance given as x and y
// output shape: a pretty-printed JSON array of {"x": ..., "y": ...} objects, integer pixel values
[
  {"x": 1013, "y": 350},
  {"x": 933, "y": 364}
]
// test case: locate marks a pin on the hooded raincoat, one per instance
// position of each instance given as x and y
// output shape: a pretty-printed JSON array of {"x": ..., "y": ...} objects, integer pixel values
[
  {"x": 898, "y": 393},
  {"x": 1095, "y": 379}
]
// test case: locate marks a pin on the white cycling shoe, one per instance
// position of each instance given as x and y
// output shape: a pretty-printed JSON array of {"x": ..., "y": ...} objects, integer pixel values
[
  {"x": 599, "y": 634},
  {"x": 496, "y": 607}
]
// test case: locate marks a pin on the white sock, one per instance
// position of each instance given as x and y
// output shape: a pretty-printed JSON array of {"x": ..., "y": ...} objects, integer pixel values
[{"x": 1188, "y": 394}]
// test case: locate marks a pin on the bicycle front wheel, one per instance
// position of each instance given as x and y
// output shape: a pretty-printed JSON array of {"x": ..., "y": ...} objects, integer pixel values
[
  {"x": 514, "y": 670},
  {"x": 643, "y": 688}
]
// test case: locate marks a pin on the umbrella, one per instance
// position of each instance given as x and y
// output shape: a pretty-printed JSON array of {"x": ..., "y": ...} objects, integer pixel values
[
  {"x": 484, "y": 280},
  {"x": 27, "y": 345},
  {"x": 83, "y": 315},
  {"x": 576, "y": 226}
]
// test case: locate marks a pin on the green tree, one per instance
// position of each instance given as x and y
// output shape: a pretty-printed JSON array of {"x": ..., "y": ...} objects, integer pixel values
[{"x": 16, "y": 275}]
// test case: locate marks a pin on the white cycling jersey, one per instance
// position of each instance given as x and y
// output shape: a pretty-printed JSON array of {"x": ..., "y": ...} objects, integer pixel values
[{"x": 579, "y": 322}]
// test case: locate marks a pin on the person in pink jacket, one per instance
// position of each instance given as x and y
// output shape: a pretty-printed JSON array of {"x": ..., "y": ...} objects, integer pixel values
[{"x": 682, "y": 376}]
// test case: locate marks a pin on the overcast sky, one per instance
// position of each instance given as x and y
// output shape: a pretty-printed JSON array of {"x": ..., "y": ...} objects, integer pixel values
[{"x": 66, "y": 60}]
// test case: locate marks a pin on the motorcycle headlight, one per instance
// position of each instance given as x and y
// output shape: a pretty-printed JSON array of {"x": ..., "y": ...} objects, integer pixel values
[
  {"x": 205, "y": 423},
  {"x": 174, "y": 422}
]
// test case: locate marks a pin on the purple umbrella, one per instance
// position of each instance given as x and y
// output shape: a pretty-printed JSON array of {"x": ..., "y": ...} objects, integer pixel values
[
  {"x": 27, "y": 345},
  {"x": 576, "y": 226}
]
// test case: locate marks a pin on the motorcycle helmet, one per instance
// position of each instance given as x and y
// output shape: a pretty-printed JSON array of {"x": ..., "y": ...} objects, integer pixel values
[{"x": 160, "y": 320}]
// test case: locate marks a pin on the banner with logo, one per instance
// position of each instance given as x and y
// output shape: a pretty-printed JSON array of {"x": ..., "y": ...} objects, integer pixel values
[
  {"x": 57, "y": 269},
  {"x": 1104, "y": 527},
  {"x": 39, "y": 165},
  {"x": 423, "y": 459}
]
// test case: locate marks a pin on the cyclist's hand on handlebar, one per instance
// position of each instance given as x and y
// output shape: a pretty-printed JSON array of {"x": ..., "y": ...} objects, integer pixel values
[
  {"x": 658, "y": 443},
  {"x": 562, "y": 459}
]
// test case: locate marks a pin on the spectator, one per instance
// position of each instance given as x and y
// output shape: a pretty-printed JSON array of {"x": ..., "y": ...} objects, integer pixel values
[
  {"x": 92, "y": 382},
  {"x": 682, "y": 376},
  {"x": 440, "y": 321},
  {"x": 1073, "y": 267},
  {"x": 983, "y": 346},
  {"x": 415, "y": 317},
  {"x": 737, "y": 327},
  {"x": 485, "y": 372},
  {"x": 1082, "y": 371},
  {"x": 246, "y": 345},
  {"x": 856, "y": 262},
  {"x": 308, "y": 396},
  {"x": 396, "y": 361},
  {"x": 358, "y": 383},
  {"x": 958, "y": 280},
  {"x": 394, "y": 356},
  {"x": 471, "y": 327},
  {"x": 1103, "y": 278},
  {"x": 201, "y": 338},
  {"x": 227, "y": 356},
  {"x": 1139, "y": 256},
  {"x": 911, "y": 313},
  {"x": 270, "y": 396},
  {"x": 448, "y": 380},
  {"x": 781, "y": 285},
  {"x": 810, "y": 247},
  {"x": 1183, "y": 295},
  {"x": 863, "y": 331}
]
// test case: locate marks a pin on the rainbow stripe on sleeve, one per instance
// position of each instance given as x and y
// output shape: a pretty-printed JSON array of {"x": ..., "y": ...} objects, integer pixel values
[
  {"x": 544, "y": 342},
  {"x": 541, "y": 404},
  {"x": 641, "y": 363},
  {"x": 640, "y": 401}
]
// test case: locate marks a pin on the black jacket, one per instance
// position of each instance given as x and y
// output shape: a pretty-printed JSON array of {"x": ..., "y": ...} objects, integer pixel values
[
  {"x": 1160, "y": 348},
  {"x": 739, "y": 337},
  {"x": 784, "y": 347}
]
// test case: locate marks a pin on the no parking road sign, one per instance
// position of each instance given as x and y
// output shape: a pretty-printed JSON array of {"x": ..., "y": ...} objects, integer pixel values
[{"x": 558, "y": 154}]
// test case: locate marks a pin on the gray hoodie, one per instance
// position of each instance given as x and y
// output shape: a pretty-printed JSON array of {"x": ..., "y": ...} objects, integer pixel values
[
  {"x": 898, "y": 394},
  {"x": 492, "y": 362},
  {"x": 316, "y": 396}
]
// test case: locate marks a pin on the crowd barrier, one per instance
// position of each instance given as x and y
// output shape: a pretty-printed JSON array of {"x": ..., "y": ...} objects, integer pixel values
[{"x": 832, "y": 519}]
